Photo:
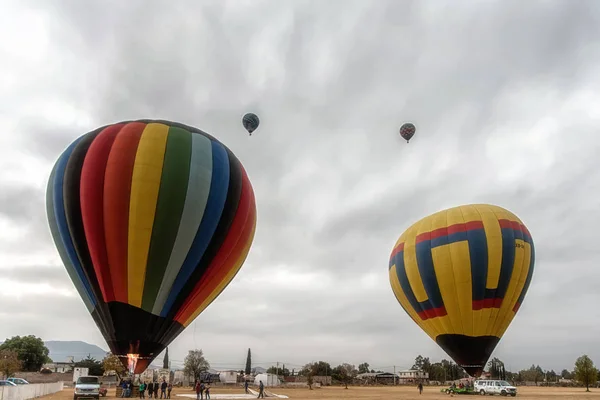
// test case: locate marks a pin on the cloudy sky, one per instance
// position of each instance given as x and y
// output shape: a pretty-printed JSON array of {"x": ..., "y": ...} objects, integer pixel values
[{"x": 505, "y": 96}]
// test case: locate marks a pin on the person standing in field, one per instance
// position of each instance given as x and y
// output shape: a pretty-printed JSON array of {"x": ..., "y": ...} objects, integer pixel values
[
  {"x": 169, "y": 388},
  {"x": 261, "y": 390},
  {"x": 198, "y": 393},
  {"x": 163, "y": 389},
  {"x": 207, "y": 391},
  {"x": 246, "y": 386},
  {"x": 142, "y": 389},
  {"x": 420, "y": 387}
]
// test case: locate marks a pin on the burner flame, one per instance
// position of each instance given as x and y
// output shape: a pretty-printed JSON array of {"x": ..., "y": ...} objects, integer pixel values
[{"x": 131, "y": 362}]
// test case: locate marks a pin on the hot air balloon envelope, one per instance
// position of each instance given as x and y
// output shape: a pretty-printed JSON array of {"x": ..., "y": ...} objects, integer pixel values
[
  {"x": 461, "y": 274},
  {"x": 152, "y": 220},
  {"x": 407, "y": 131},
  {"x": 250, "y": 122}
]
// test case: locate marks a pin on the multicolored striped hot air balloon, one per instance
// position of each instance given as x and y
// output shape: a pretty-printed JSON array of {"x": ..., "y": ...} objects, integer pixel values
[
  {"x": 461, "y": 274},
  {"x": 152, "y": 220}
]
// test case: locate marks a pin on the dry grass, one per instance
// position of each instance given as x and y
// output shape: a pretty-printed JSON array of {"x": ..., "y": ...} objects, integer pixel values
[{"x": 375, "y": 393}]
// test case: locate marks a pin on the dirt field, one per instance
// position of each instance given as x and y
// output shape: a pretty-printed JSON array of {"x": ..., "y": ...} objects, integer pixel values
[{"x": 374, "y": 393}]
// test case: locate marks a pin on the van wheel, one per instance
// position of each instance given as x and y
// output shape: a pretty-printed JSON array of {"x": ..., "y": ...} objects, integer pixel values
[
  {"x": 503, "y": 393},
  {"x": 482, "y": 392}
]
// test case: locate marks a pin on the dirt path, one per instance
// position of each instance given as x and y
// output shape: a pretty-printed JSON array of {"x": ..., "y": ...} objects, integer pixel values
[{"x": 366, "y": 393}]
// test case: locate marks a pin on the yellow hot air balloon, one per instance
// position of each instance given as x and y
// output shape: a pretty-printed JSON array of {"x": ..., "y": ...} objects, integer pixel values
[{"x": 461, "y": 274}]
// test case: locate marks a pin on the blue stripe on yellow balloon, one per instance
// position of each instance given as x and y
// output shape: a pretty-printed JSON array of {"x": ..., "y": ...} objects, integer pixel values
[{"x": 474, "y": 235}]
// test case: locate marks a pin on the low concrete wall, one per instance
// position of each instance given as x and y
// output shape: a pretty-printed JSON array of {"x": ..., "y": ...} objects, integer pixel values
[
  {"x": 36, "y": 377},
  {"x": 31, "y": 391}
]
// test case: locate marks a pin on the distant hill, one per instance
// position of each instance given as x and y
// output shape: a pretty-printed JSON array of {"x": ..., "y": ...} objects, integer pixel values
[{"x": 60, "y": 350}]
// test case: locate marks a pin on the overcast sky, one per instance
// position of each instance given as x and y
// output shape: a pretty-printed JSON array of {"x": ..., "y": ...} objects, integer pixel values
[{"x": 505, "y": 96}]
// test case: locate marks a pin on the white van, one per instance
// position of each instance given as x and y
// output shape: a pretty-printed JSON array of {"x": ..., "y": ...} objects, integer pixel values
[
  {"x": 87, "y": 387},
  {"x": 492, "y": 387}
]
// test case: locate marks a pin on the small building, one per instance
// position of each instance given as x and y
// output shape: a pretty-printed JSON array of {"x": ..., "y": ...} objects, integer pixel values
[
  {"x": 386, "y": 378},
  {"x": 381, "y": 378},
  {"x": 61, "y": 366},
  {"x": 323, "y": 380},
  {"x": 228, "y": 376},
  {"x": 267, "y": 379},
  {"x": 412, "y": 376},
  {"x": 180, "y": 378},
  {"x": 163, "y": 374},
  {"x": 147, "y": 376}
]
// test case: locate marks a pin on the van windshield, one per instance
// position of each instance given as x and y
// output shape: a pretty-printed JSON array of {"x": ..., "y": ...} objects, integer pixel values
[
  {"x": 88, "y": 380},
  {"x": 504, "y": 383}
]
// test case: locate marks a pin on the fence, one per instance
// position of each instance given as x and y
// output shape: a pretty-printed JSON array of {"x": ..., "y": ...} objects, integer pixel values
[{"x": 31, "y": 391}]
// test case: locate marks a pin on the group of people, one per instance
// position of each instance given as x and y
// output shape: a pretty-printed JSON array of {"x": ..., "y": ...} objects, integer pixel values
[
  {"x": 202, "y": 390},
  {"x": 462, "y": 385},
  {"x": 151, "y": 388}
]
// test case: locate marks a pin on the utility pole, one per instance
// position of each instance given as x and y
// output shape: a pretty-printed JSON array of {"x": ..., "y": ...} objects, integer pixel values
[
  {"x": 394, "y": 374},
  {"x": 277, "y": 373}
]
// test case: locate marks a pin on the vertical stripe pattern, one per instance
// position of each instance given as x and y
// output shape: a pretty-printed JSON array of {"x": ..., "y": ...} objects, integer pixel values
[{"x": 152, "y": 220}]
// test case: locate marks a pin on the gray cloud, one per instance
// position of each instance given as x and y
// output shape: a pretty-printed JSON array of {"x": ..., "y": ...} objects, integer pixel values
[{"x": 504, "y": 98}]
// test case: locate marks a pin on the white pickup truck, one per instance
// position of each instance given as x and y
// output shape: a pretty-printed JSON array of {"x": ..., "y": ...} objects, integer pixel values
[{"x": 87, "y": 387}]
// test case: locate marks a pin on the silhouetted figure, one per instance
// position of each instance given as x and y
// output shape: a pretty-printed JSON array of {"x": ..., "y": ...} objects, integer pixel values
[
  {"x": 261, "y": 390},
  {"x": 142, "y": 389}
]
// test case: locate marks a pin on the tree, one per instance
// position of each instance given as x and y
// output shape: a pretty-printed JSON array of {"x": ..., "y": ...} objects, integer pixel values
[
  {"x": 278, "y": 370},
  {"x": 30, "y": 349},
  {"x": 585, "y": 372},
  {"x": 9, "y": 362},
  {"x": 248, "y": 363},
  {"x": 345, "y": 373},
  {"x": 166, "y": 359},
  {"x": 418, "y": 365},
  {"x": 320, "y": 368},
  {"x": 195, "y": 363},
  {"x": 551, "y": 376},
  {"x": 533, "y": 374},
  {"x": 496, "y": 369},
  {"x": 112, "y": 363},
  {"x": 422, "y": 364},
  {"x": 565, "y": 374},
  {"x": 94, "y": 366},
  {"x": 363, "y": 368}
]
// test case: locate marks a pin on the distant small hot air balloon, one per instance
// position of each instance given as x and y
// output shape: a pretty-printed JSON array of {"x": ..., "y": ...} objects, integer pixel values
[
  {"x": 250, "y": 122},
  {"x": 152, "y": 220},
  {"x": 461, "y": 274},
  {"x": 407, "y": 131}
]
